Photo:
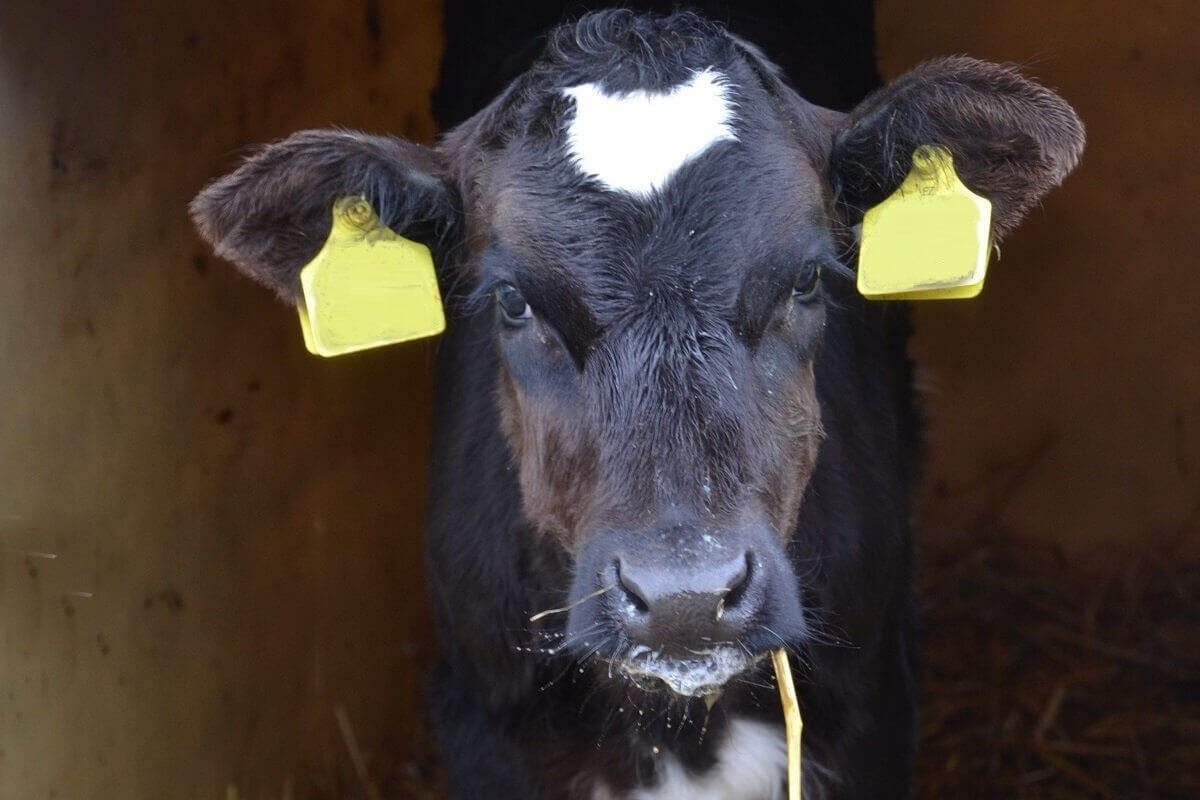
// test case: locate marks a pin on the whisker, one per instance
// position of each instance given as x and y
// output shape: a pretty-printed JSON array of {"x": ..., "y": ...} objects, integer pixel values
[
  {"x": 748, "y": 681},
  {"x": 782, "y": 642},
  {"x": 588, "y": 655},
  {"x": 566, "y": 669},
  {"x": 568, "y": 642}
]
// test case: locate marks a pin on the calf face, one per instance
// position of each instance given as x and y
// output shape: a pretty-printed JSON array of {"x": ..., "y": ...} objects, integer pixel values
[
  {"x": 657, "y": 317},
  {"x": 657, "y": 231}
]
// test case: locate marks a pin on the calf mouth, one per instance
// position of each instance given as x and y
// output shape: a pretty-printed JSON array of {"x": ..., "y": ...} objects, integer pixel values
[{"x": 702, "y": 673}]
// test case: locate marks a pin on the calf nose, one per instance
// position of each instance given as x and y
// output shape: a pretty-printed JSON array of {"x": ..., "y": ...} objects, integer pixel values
[{"x": 687, "y": 606}]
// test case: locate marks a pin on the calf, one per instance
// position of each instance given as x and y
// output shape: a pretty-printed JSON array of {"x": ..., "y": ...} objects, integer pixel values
[{"x": 669, "y": 434}]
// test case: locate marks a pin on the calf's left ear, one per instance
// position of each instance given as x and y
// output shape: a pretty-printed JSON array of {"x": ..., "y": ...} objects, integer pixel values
[
  {"x": 1012, "y": 140},
  {"x": 272, "y": 215}
]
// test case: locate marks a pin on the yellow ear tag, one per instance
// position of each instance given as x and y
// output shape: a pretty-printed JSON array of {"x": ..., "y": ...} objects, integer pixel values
[
  {"x": 367, "y": 287},
  {"x": 930, "y": 239}
]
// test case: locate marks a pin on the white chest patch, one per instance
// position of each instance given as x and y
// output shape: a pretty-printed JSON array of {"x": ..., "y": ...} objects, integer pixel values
[
  {"x": 635, "y": 142},
  {"x": 751, "y": 765}
]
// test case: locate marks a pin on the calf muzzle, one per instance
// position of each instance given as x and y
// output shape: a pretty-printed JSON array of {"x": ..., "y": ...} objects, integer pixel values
[{"x": 684, "y": 607}]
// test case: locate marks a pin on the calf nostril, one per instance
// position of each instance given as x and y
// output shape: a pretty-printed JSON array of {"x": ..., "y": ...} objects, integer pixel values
[
  {"x": 633, "y": 594},
  {"x": 737, "y": 586}
]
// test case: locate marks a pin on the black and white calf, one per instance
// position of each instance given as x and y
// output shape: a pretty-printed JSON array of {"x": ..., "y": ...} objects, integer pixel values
[{"x": 662, "y": 408}]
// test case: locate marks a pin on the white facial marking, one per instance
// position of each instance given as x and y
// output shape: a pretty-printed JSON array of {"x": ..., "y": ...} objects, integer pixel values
[
  {"x": 751, "y": 765},
  {"x": 635, "y": 142}
]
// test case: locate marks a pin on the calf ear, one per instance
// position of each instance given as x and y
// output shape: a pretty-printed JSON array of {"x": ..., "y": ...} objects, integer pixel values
[
  {"x": 271, "y": 216},
  {"x": 1012, "y": 140}
]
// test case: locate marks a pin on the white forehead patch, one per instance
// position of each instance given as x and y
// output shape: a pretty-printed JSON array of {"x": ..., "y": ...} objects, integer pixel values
[{"x": 634, "y": 142}]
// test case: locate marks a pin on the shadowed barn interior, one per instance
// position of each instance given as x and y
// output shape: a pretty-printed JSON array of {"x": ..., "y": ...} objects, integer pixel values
[{"x": 210, "y": 561}]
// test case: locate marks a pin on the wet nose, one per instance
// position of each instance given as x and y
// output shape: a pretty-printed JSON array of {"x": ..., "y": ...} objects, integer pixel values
[{"x": 687, "y": 606}]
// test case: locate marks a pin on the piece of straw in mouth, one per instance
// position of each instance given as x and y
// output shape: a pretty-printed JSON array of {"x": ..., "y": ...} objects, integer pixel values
[
  {"x": 791, "y": 717},
  {"x": 578, "y": 602}
]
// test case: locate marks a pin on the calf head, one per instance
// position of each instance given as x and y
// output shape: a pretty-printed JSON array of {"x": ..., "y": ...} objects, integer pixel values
[{"x": 652, "y": 228}]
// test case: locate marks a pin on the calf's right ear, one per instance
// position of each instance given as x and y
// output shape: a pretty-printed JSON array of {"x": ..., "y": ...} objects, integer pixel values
[{"x": 272, "y": 215}]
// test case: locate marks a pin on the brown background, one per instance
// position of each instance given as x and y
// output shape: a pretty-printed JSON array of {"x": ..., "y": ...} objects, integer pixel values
[{"x": 235, "y": 524}]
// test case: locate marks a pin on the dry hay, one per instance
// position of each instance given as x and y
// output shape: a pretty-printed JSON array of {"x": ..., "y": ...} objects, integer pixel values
[{"x": 1043, "y": 682}]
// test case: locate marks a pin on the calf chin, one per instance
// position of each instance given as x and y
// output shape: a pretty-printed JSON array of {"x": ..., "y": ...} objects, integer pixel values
[{"x": 683, "y": 609}]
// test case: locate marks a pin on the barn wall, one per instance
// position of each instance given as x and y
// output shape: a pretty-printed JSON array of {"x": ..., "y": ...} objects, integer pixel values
[
  {"x": 1064, "y": 403},
  {"x": 208, "y": 538}
]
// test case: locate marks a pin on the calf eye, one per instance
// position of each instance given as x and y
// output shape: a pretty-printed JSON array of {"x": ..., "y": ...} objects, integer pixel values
[
  {"x": 512, "y": 304},
  {"x": 807, "y": 281}
]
